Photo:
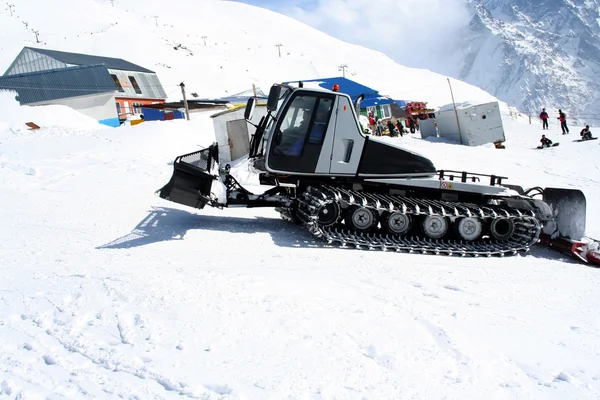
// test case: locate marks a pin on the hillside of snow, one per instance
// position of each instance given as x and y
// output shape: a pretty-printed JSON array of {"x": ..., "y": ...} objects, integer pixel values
[
  {"x": 217, "y": 48},
  {"x": 109, "y": 292}
]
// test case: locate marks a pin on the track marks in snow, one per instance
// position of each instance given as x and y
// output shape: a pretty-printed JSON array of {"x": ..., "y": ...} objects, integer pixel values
[
  {"x": 436, "y": 294},
  {"x": 103, "y": 349},
  {"x": 219, "y": 389},
  {"x": 453, "y": 288},
  {"x": 446, "y": 345},
  {"x": 19, "y": 168},
  {"x": 383, "y": 360}
]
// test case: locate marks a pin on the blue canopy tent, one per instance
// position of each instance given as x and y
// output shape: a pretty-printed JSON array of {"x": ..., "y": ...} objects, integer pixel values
[{"x": 353, "y": 89}]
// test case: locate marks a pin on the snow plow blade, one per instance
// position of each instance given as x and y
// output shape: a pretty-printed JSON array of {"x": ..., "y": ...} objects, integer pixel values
[
  {"x": 192, "y": 179},
  {"x": 566, "y": 233},
  {"x": 568, "y": 211}
]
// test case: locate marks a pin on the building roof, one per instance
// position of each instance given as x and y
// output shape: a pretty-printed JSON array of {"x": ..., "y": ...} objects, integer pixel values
[
  {"x": 35, "y": 87},
  {"x": 354, "y": 90},
  {"x": 238, "y": 98},
  {"x": 236, "y": 108},
  {"x": 85, "y": 59},
  {"x": 192, "y": 105}
]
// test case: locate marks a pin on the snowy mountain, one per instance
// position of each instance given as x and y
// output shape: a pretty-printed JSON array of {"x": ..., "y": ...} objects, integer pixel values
[
  {"x": 531, "y": 54},
  {"x": 216, "y": 47}
]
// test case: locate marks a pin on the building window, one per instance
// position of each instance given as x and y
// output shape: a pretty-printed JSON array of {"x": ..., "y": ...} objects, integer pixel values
[
  {"x": 386, "y": 111},
  {"x": 118, "y": 108},
  {"x": 137, "y": 108},
  {"x": 119, "y": 87},
  {"x": 136, "y": 87}
]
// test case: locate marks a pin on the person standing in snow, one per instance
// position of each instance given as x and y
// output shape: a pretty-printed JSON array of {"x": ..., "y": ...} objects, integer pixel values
[
  {"x": 400, "y": 127},
  {"x": 391, "y": 128},
  {"x": 379, "y": 127},
  {"x": 372, "y": 122},
  {"x": 562, "y": 117},
  {"x": 585, "y": 133},
  {"x": 411, "y": 124},
  {"x": 544, "y": 118}
]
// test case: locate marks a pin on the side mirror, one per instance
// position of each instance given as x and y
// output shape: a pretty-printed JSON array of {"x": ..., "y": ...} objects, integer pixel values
[
  {"x": 273, "y": 98},
  {"x": 250, "y": 105}
]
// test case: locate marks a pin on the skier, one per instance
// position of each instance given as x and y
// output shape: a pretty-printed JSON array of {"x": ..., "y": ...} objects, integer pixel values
[
  {"x": 544, "y": 118},
  {"x": 562, "y": 117},
  {"x": 585, "y": 133},
  {"x": 545, "y": 141}
]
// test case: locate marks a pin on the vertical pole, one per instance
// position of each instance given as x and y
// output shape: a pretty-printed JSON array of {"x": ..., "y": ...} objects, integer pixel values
[
  {"x": 185, "y": 103},
  {"x": 10, "y": 8},
  {"x": 36, "y": 36},
  {"x": 455, "y": 112},
  {"x": 254, "y": 90},
  {"x": 156, "y": 20},
  {"x": 204, "y": 37},
  {"x": 279, "y": 48}
]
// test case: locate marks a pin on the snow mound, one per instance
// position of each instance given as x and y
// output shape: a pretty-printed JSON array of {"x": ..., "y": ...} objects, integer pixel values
[{"x": 13, "y": 116}]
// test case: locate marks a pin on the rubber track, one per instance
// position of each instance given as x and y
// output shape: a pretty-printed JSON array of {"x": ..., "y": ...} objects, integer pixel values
[{"x": 527, "y": 227}]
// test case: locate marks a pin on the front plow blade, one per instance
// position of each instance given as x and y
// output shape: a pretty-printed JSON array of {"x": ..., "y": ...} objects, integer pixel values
[
  {"x": 568, "y": 211},
  {"x": 566, "y": 232},
  {"x": 192, "y": 179}
]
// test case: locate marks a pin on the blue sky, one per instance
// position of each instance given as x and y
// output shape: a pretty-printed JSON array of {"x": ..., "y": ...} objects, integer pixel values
[{"x": 409, "y": 31}]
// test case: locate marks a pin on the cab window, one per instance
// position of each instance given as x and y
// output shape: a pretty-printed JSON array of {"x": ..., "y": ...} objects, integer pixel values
[{"x": 299, "y": 136}]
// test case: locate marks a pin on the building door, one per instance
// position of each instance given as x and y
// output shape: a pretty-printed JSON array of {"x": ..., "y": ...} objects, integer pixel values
[
  {"x": 239, "y": 143},
  {"x": 300, "y": 132}
]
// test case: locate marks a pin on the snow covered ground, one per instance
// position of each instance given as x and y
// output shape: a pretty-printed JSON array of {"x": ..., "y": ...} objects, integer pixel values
[{"x": 109, "y": 292}]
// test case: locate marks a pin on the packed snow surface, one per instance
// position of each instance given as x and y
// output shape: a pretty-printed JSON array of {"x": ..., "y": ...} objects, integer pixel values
[{"x": 110, "y": 292}]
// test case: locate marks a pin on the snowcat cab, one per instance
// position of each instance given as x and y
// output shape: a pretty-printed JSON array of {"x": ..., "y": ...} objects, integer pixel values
[{"x": 319, "y": 169}]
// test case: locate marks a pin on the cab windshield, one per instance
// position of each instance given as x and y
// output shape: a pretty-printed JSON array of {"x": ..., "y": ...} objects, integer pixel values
[{"x": 285, "y": 92}]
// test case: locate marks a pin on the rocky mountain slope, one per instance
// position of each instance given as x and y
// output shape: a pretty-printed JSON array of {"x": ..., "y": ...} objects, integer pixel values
[{"x": 532, "y": 54}]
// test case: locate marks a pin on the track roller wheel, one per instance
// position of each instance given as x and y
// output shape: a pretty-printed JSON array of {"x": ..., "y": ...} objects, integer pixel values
[
  {"x": 469, "y": 228},
  {"x": 435, "y": 226},
  {"x": 396, "y": 223},
  {"x": 502, "y": 228},
  {"x": 361, "y": 218},
  {"x": 328, "y": 213}
]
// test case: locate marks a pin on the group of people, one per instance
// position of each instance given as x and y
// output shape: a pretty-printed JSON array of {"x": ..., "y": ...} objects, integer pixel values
[
  {"x": 562, "y": 117},
  {"x": 377, "y": 126},
  {"x": 585, "y": 134}
]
